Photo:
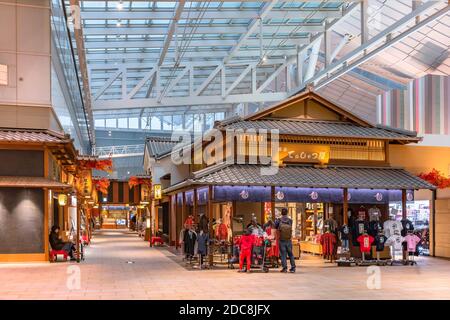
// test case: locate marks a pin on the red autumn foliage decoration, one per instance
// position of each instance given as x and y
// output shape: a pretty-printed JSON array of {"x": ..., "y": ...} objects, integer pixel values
[
  {"x": 135, "y": 181},
  {"x": 435, "y": 177},
  {"x": 102, "y": 185},
  {"x": 102, "y": 165}
]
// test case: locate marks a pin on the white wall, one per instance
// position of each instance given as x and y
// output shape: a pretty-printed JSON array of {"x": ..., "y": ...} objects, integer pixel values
[{"x": 25, "y": 49}]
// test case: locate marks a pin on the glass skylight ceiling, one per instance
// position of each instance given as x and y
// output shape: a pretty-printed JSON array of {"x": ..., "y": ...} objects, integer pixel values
[{"x": 132, "y": 34}]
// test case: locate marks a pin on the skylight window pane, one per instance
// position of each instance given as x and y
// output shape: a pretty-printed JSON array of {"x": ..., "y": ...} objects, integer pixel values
[
  {"x": 111, "y": 123},
  {"x": 99, "y": 123},
  {"x": 155, "y": 123},
  {"x": 122, "y": 123},
  {"x": 167, "y": 123},
  {"x": 133, "y": 123}
]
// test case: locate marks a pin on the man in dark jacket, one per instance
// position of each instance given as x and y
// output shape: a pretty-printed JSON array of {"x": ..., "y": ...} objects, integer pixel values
[
  {"x": 284, "y": 225},
  {"x": 57, "y": 244}
]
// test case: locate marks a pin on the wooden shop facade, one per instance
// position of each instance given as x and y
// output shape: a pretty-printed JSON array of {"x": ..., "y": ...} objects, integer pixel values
[
  {"x": 330, "y": 163},
  {"x": 41, "y": 185}
]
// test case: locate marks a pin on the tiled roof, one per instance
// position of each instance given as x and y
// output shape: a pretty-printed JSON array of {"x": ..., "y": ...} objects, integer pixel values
[
  {"x": 308, "y": 177},
  {"x": 321, "y": 128},
  {"x": 158, "y": 146},
  {"x": 24, "y": 135},
  {"x": 31, "y": 182}
]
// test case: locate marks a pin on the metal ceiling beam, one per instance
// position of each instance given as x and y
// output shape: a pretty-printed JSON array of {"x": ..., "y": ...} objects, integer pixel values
[
  {"x": 216, "y": 14},
  {"x": 194, "y": 43},
  {"x": 262, "y": 14},
  {"x": 381, "y": 42},
  {"x": 171, "y": 31},
  {"x": 198, "y": 100},
  {"x": 217, "y": 29},
  {"x": 211, "y": 54}
]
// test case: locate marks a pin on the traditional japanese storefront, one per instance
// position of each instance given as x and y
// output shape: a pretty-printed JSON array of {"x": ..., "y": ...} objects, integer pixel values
[
  {"x": 330, "y": 164},
  {"x": 40, "y": 186}
]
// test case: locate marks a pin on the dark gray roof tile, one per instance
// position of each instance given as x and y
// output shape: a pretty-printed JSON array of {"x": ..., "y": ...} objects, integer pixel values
[
  {"x": 320, "y": 128},
  {"x": 303, "y": 176}
]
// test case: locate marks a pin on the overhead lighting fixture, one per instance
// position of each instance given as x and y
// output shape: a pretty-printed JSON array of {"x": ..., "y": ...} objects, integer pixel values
[
  {"x": 119, "y": 23},
  {"x": 120, "y": 5}
]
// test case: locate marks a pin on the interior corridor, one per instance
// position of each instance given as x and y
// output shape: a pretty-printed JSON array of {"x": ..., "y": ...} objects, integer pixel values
[{"x": 158, "y": 274}]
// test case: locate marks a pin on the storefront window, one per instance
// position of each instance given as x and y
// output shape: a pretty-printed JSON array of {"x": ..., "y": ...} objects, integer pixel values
[{"x": 418, "y": 212}]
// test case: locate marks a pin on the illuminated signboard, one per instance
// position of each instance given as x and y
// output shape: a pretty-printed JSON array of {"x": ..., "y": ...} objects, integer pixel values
[{"x": 297, "y": 153}]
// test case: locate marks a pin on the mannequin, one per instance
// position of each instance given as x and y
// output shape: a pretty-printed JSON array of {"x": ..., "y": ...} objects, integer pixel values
[
  {"x": 380, "y": 241},
  {"x": 374, "y": 225},
  {"x": 392, "y": 227},
  {"x": 344, "y": 234},
  {"x": 411, "y": 241},
  {"x": 358, "y": 228}
]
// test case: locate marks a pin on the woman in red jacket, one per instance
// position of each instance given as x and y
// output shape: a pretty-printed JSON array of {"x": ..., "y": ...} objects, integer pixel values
[{"x": 245, "y": 247}]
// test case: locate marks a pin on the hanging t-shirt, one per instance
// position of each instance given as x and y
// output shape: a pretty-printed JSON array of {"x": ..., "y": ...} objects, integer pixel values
[
  {"x": 328, "y": 242},
  {"x": 374, "y": 227},
  {"x": 380, "y": 241},
  {"x": 395, "y": 241},
  {"x": 392, "y": 228},
  {"x": 411, "y": 242},
  {"x": 374, "y": 213},
  {"x": 365, "y": 243},
  {"x": 407, "y": 225},
  {"x": 345, "y": 232},
  {"x": 362, "y": 213}
]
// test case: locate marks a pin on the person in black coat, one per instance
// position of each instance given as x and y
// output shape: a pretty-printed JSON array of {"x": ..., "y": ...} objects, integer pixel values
[{"x": 57, "y": 244}]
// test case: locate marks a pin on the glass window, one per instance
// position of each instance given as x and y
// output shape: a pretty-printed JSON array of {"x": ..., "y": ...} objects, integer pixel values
[
  {"x": 99, "y": 123},
  {"x": 198, "y": 122},
  {"x": 167, "y": 123},
  {"x": 111, "y": 123},
  {"x": 133, "y": 123},
  {"x": 155, "y": 123},
  {"x": 122, "y": 123},
  {"x": 209, "y": 120},
  {"x": 145, "y": 123},
  {"x": 177, "y": 122},
  {"x": 189, "y": 122},
  {"x": 220, "y": 116}
]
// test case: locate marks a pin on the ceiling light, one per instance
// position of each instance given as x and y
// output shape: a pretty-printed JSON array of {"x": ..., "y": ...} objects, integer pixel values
[
  {"x": 120, "y": 6},
  {"x": 119, "y": 23}
]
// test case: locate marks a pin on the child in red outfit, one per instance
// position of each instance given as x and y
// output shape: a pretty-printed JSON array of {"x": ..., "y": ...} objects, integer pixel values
[{"x": 245, "y": 247}]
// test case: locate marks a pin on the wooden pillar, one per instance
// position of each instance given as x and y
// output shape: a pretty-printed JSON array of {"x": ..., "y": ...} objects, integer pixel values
[
  {"x": 404, "y": 211},
  {"x": 210, "y": 217},
  {"x": 175, "y": 222},
  {"x": 151, "y": 221},
  {"x": 404, "y": 200},
  {"x": 78, "y": 228},
  {"x": 170, "y": 219},
  {"x": 46, "y": 226},
  {"x": 272, "y": 202},
  {"x": 345, "y": 207},
  {"x": 433, "y": 225},
  {"x": 183, "y": 209},
  {"x": 195, "y": 206}
]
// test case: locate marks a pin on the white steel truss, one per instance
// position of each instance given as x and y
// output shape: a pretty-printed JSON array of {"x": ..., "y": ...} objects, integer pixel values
[
  {"x": 199, "y": 53},
  {"x": 119, "y": 151}
]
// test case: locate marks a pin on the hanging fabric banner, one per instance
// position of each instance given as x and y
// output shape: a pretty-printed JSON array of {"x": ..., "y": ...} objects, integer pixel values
[
  {"x": 244, "y": 193},
  {"x": 202, "y": 195}
]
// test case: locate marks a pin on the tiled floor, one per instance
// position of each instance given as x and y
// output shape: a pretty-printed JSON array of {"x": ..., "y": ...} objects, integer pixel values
[{"x": 157, "y": 273}]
